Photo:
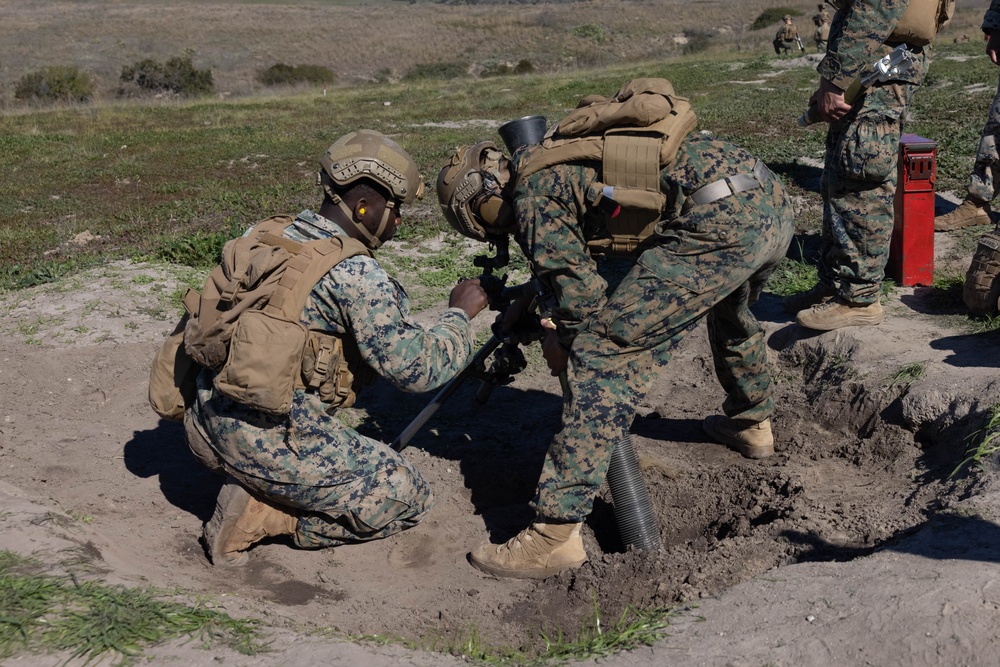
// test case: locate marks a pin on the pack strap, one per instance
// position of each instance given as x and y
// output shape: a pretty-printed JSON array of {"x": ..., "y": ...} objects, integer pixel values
[{"x": 724, "y": 187}]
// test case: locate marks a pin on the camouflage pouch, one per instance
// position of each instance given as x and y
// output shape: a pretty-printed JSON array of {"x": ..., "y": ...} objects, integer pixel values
[{"x": 982, "y": 285}]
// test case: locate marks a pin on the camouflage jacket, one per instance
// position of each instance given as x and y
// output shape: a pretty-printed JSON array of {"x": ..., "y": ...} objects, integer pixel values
[
  {"x": 358, "y": 298},
  {"x": 858, "y": 38},
  {"x": 555, "y": 221},
  {"x": 992, "y": 19}
]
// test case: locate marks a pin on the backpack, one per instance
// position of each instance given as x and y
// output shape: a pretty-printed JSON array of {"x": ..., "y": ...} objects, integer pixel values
[
  {"x": 634, "y": 134},
  {"x": 173, "y": 374},
  {"x": 245, "y": 324}
]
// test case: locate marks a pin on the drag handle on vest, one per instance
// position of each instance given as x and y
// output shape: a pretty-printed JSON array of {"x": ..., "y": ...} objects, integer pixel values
[{"x": 890, "y": 66}]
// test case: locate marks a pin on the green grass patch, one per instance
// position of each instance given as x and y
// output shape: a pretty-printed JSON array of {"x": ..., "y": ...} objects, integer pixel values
[
  {"x": 595, "y": 639},
  {"x": 43, "y": 613},
  {"x": 984, "y": 441}
]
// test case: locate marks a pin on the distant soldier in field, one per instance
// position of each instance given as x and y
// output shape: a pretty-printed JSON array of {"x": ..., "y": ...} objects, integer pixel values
[
  {"x": 295, "y": 469},
  {"x": 983, "y": 185},
  {"x": 821, "y": 20},
  {"x": 787, "y": 37}
]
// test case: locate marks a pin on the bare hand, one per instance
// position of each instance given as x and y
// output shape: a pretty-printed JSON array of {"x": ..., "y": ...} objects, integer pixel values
[
  {"x": 992, "y": 46},
  {"x": 469, "y": 296},
  {"x": 829, "y": 101},
  {"x": 556, "y": 358}
]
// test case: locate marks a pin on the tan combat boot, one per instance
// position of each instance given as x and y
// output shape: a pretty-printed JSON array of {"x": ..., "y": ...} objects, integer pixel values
[
  {"x": 836, "y": 314},
  {"x": 239, "y": 522},
  {"x": 538, "y": 551},
  {"x": 820, "y": 293},
  {"x": 753, "y": 440},
  {"x": 969, "y": 212}
]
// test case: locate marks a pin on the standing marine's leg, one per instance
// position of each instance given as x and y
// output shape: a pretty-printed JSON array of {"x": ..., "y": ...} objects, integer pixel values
[
  {"x": 859, "y": 185},
  {"x": 975, "y": 209}
]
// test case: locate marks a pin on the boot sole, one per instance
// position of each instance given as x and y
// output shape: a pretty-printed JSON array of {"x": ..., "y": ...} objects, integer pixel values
[
  {"x": 229, "y": 506},
  {"x": 747, "y": 450}
]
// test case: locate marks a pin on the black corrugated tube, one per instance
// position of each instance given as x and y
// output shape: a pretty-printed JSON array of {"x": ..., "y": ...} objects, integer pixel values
[{"x": 633, "y": 510}]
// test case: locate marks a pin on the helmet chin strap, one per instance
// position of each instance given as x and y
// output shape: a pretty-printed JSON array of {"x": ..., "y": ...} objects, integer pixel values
[{"x": 373, "y": 241}]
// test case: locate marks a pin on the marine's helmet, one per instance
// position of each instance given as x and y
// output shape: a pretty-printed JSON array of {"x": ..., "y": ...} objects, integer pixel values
[
  {"x": 786, "y": 17},
  {"x": 370, "y": 155},
  {"x": 470, "y": 191}
]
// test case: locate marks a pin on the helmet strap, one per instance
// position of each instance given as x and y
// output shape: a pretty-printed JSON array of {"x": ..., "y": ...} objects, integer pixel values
[{"x": 372, "y": 240}]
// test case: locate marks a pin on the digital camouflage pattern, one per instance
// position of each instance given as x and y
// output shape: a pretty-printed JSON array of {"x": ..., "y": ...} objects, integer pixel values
[
  {"x": 710, "y": 261},
  {"x": 349, "y": 487},
  {"x": 991, "y": 21},
  {"x": 982, "y": 182},
  {"x": 859, "y": 174}
]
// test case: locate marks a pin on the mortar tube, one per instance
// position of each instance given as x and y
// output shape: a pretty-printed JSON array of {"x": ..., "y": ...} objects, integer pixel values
[{"x": 637, "y": 524}]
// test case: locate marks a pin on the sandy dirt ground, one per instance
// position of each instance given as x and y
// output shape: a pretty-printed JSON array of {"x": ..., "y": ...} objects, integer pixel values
[{"x": 852, "y": 545}]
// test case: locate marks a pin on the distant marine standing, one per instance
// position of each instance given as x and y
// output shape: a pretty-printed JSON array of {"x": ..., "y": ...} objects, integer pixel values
[{"x": 787, "y": 37}]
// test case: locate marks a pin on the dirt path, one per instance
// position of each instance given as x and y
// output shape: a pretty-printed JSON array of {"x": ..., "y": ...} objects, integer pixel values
[{"x": 863, "y": 463}]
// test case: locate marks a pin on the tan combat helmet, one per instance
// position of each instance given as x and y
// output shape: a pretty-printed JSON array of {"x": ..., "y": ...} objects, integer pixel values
[
  {"x": 469, "y": 189},
  {"x": 372, "y": 156}
]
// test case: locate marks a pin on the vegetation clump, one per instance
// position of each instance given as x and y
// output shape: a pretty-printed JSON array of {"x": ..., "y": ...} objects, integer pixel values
[
  {"x": 773, "y": 15},
  {"x": 281, "y": 74},
  {"x": 591, "y": 31},
  {"x": 522, "y": 66},
  {"x": 60, "y": 83},
  {"x": 177, "y": 76}
]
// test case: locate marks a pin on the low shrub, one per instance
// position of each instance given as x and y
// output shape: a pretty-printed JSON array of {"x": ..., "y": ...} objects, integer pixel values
[
  {"x": 505, "y": 68},
  {"x": 56, "y": 84},
  {"x": 773, "y": 15},
  {"x": 281, "y": 74},
  {"x": 591, "y": 31},
  {"x": 177, "y": 76},
  {"x": 698, "y": 40}
]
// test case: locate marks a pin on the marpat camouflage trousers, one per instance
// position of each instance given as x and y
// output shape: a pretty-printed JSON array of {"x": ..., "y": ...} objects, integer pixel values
[
  {"x": 858, "y": 187},
  {"x": 348, "y": 488},
  {"x": 714, "y": 261},
  {"x": 982, "y": 183}
]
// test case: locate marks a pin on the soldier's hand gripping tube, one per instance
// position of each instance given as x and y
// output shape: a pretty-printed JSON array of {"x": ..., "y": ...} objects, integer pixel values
[{"x": 890, "y": 66}]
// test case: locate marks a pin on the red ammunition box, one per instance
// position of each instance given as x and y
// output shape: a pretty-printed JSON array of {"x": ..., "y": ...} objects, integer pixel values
[{"x": 911, "y": 250}]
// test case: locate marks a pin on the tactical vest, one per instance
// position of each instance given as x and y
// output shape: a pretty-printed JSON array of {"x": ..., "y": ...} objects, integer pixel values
[
  {"x": 787, "y": 33},
  {"x": 634, "y": 135},
  {"x": 247, "y": 324},
  {"x": 920, "y": 22}
]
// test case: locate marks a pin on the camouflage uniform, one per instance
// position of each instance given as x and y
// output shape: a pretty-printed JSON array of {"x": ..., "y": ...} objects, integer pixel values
[
  {"x": 859, "y": 176},
  {"x": 822, "y": 33},
  {"x": 349, "y": 487},
  {"x": 982, "y": 184},
  {"x": 785, "y": 38},
  {"x": 708, "y": 260}
]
